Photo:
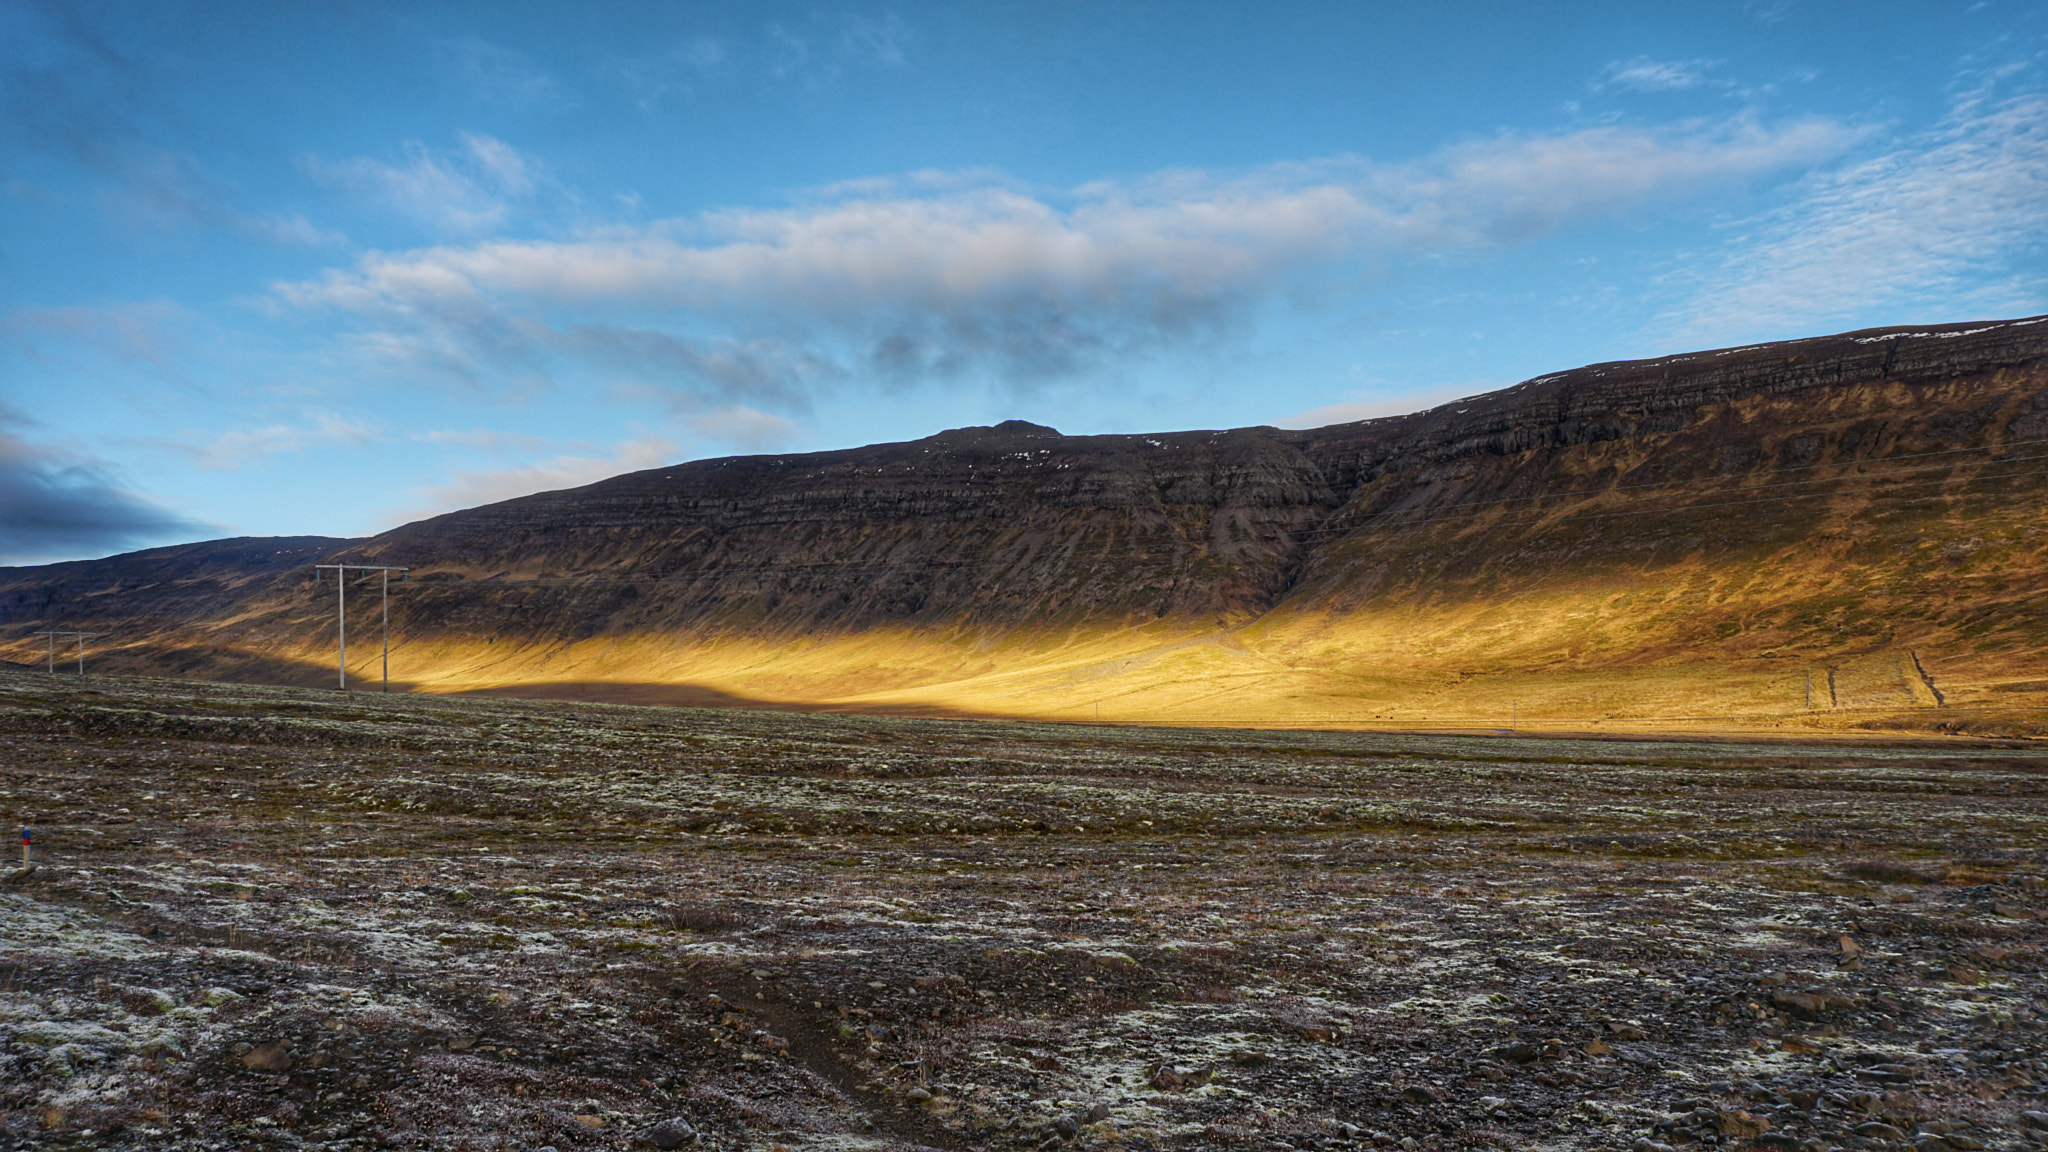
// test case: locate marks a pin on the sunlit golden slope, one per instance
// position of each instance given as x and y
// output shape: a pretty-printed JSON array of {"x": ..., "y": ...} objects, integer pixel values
[{"x": 1835, "y": 532}]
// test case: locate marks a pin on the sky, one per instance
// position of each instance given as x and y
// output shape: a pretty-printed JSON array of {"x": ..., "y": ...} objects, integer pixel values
[{"x": 329, "y": 267}]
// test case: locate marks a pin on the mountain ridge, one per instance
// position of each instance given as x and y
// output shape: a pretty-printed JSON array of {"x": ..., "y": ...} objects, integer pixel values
[{"x": 1360, "y": 567}]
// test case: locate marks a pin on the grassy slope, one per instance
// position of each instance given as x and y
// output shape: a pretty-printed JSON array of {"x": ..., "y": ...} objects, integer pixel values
[
  {"x": 1835, "y": 605},
  {"x": 1846, "y": 591}
]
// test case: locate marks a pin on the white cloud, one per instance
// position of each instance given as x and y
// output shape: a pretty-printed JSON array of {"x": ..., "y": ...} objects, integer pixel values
[
  {"x": 1350, "y": 411},
  {"x": 744, "y": 427},
  {"x": 469, "y": 189},
  {"x": 1643, "y": 74},
  {"x": 243, "y": 446},
  {"x": 1946, "y": 224},
  {"x": 939, "y": 276},
  {"x": 467, "y": 489}
]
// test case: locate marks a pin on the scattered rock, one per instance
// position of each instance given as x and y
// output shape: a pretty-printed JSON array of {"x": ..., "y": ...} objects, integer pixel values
[
  {"x": 673, "y": 1132},
  {"x": 274, "y": 1056},
  {"x": 1994, "y": 955},
  {"x": 1797, "y": 1004},
  {"x": 1741, "y": 1125},
  {"x": 1167, "y": 1078},
  {"x": 1626, "y": 1031}
]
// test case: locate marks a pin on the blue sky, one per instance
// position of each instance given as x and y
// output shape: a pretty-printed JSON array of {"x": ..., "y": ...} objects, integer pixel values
[{"x": 329, "y": 267}]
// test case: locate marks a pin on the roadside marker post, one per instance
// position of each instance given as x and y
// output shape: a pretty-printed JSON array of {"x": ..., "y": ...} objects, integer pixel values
[{"x": 341, "y": 572}]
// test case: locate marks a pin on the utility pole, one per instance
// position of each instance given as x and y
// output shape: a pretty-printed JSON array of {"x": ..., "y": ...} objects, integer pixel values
[
  {"x": 81, "y": 637},
  {"x": 341, "y": 572}
]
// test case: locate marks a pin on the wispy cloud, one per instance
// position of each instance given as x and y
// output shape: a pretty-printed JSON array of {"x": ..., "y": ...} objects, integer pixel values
[
  {"x": 143, "y": 334},
  {"x": 1950, "y": 222},
  {"x": 58, "y": 505},
  {"x": 472, "y": 188},
  {"x": 938, "y": 277},
  {"x": 1643, "y": 74},
  {"x": 67, "y": 92},
  {"x": 487, "y": 440},
  {"x": 1349, "y": 411},
  {"x": 815, "y": 53},
  {"x": 829, "y": 43},
  {"x": 467, "y": 489},
  {"x": 498, "y": 74},
  {"x": 743, "y": 427},
  {"x": 241, "y": 447}
]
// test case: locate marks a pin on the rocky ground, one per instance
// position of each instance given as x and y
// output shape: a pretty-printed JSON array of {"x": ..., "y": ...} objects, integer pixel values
[{"x": 290, "y": 919}]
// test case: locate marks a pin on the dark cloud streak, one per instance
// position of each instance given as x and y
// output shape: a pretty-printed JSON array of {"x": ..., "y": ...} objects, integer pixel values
[{"x": 57, "y": 509}]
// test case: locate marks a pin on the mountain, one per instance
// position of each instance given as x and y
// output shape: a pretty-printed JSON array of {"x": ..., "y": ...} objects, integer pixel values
[{"x": 1844, "y": 530}]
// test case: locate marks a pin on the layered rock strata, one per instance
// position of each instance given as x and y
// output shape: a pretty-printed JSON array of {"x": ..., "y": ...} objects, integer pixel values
[{"x": 1643, "y": 539}]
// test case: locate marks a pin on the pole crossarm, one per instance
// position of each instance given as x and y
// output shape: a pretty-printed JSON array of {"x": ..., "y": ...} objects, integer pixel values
[
  {"x": 81, "y": 637},
  {"x": 341, "y": 572}
]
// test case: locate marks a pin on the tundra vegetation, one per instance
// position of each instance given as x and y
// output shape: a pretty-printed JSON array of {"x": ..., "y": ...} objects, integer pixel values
[{"x": 282, "y": 918}]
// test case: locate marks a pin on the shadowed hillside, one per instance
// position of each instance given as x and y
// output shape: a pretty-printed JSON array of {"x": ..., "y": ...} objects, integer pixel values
[{"x": 1829, "y": 532}]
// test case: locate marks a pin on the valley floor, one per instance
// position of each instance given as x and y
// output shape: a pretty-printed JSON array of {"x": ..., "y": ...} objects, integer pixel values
[{"x": 282, "y": 918}]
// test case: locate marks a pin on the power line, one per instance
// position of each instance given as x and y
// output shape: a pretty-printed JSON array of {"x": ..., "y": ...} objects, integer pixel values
[
  {"x": 341, "y": 572},
  {"x": 81, "y": 637}
]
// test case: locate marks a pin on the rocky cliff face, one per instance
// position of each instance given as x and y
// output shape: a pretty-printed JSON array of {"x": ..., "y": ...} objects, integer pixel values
[{"x": 1818, "y": 496}]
